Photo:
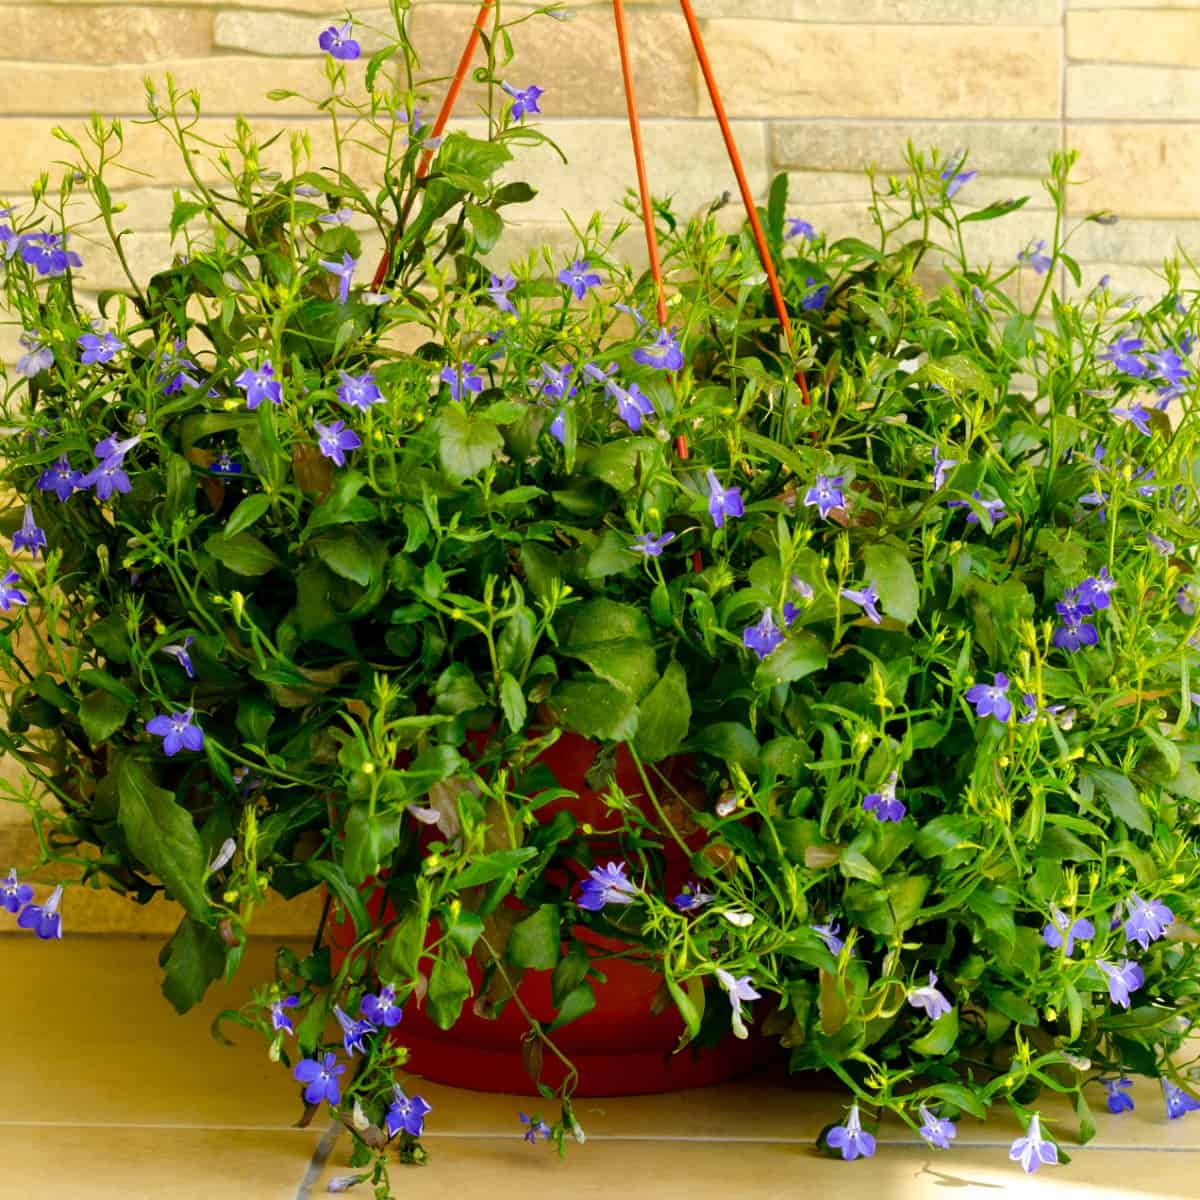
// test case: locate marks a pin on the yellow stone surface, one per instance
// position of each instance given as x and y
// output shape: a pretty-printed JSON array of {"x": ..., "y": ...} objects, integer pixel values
[
  {"x": 1165, "y": 35},
  {"x": 100, "y": 33}
]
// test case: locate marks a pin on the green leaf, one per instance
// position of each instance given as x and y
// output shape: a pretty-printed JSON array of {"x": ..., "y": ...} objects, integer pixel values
[
  {"x": 353, "y": 555},
  {"x": 335, "y": 878},
  {"x": 1014, "y": 1007},
  {"x": 1087, "y": 1123},
  {"x": 598, "y": 621},
  {"x": 466, "y": 444},
  {"x": 101, "y": 714},
  {"x": 492, "y": 866},
  {"x": 731, "y": 742},
  {"x": 162, "y": 835},
  {"x": 959, "y": 1095},
  {"x": 942, "y": 1035},
  {"x": 243, "y": 554},
  {"x": 664, "y": 716},
  {"x": 512, "y": 701},
  {"x": 998, "y": 208},
  {"x": 369, "y": 842},
  {"x": 466, "y": 930},
  {"x": 536, "y": 941},
  {"x": 950, "y": 831},
  {"x": 486, "y": 224},
  {"x": 456, "y": 690},
  {"x": 193, "y": 958},
  {"x": 513, "y": 193},
  {"x": 246, "y": 513},
  {"x": 516, "y": 640},
  {"x": 889, "y": 569},
  {"x": 799, "y": 655},
  {"x": 1121, "y": 796},
  {"x": 596, "y": 709},
  {"x": 449, "y": 987},
  {"x": 629, "y": 665}
]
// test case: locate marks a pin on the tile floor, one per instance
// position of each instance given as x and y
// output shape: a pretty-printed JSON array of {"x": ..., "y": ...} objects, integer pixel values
[{"x": 108, "y": 1095}]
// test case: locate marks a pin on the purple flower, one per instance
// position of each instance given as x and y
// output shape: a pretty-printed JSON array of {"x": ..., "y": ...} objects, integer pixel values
[
  {"x": 43, "y": 919},
  {"x": 579, "y": 278},
  {"x": 763, "y": 638},
  {"x": 9, "y": 594},
  {"x": 406, "y": 1114},
  {"x": 353, "y": 1032},
  {"x": 338, "y": 43},
  {"x": 115, "y": 447},
  {"x": 1167, "y": 365},
  {"x": 1148, "y": 920},
  {"x": 558, "y": 427},
  {"x": 632, "y": 406},
  {"x": 798, "y": 228},
  {"x": 1179, "y": 1103},
  {"x": 536, "y": 1126},
  {"x": 344, "y": 271},
  {"x": 633, "y": 312},
  {"x": 956, "y": 177},
  {"x": 1062, "y": 931},
  {"x": 182, "y": 368},
  {"x": 607, "y": 885},
  {"x": 178, "y": 731},
  {"x": 722, "y": 502},
  {"x": 866, "y": 598},
  {"x": 47, "y": 253},
  {"x": 1074, "y": 633},
  {"x": 851, "y": 1139},
  {"x": 1032, "y": 255},
  {"x": 739, "y": 991},
  {"x": 358, "y": 391},
  {"x": 99, "y": 349},
  {"x": 1136, "y": 415},
  {"x": 826, "y": 493},
  {"x": 224, "y": 465},
  {"x": 321, "y": 1078},
  {"x": 941, "y": 469},
  {"x": 60, "y": 478},
  {"x": 260, "y": 385},
  {"x": 1096, "y": 589},
  {"x": 498, "y": 290},
  {"x": 1145, "y": 489},
  {"x": 650, "y": 545},
  {"x": 107, "y": 478},
  {"x": 815, "y": 298},
  {"x": 991, "y": 700},
  {"x": 1122, "y": 979},
  {"x": 461, "y": 380},
  {"x": 663, "y": 353},
  {"x": 1096, "y": 500},
  {"x": 930, "y": 999},
  {"x": 1033, "y": 1150},
  {"x": 14, "y": 894},
  {"x": 993, "y": 508},
  {"x": 829, "y": 935},
  {"x": 382, "y": 1009},
  {"x": 691, "y": 898},
  {"x": 180, "y": 654},
  {"x": 883, "y": 803},
  {"x": 1115, "y": 1094},
  {"x": 335, "y": 439},
  {"x": 556, "y": 384},
  {"x": 937, "y": 1131},
  {"x": 39, "y": 357},
  {"x": 30, "y": 536},
  {"x": 525, "y": 100},
  {"x": 280, "y": 1021}
]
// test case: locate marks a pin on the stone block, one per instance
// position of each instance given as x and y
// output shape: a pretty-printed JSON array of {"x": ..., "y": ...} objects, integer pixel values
[
  {"x": 1138, "y": 170},
  {"x": 277, "y": 34},
  {"x": 888, "y": 12},
  {"x": 1168, "y": 37},
  {"x": 1107, "y": 92},
  {"x": 103, "y": 34},
  {"x": 1144, "y": 242}
]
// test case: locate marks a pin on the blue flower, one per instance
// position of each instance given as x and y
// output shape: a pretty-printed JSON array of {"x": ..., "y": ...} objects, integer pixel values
[
  {"x": 180, "y": 654},
  {"x": 461, "y": 380},
  {"x": 941, "y": 469},
  {"x": 321, "y": 1078},
  {"x": 1115, "y": 1094},
  {"x": 763, "y": 638},
  {"x": 280, "y": 1021},
  {"x": 335, "y": 439},
  {"x": 536, "y": 1126},
  {"x": 937, "y": 1131},
  {"x": 108, "y": 478},
  {"x": 44, "y": 919},
  {"x": 1148, "y": 920},
  {"x": 739, "y": 991},
  {"x": 382, "y": 1009},
  {"x": 556, "y": 385},
  {"x": 47, "y": 253},
  {"x": 579, "y": 278},
  {"x": 991, "y": 700},
  {"x": 224, "y": 465},
  {"x": 1032, "y": 255},
  {"x": 664, "y": 352},
  {"x": 39, "y": 357},
  {"x": 930, "y": 999},
  {"x": 851, "y": 1139},
  {"x": 338, "y": 43},
  {"x": 360, "y": 392},
  {"x": 1062, "y": 931},
  {"x": 867, "y": 599},
  {"x": 722, "y": 502},
  {"x": 993, "y": 508},
  {"x": 826, "y": 493},
  {"x": 1122, "y": 353},
  {"x": 498, "y": 290},
  {"x": 1179, "y": 1103},
  {"x": 1033, "y": 1150},
  {"x": 956, "y": 177},
  {"x": 691, "y": 898},
  {"x": 9, "y": 593},
  {"x": 525, "y": 100},
  {"x": 1074, "y": 637},
  {"x": 353, "y": 1032},
  {"x": 829, "y": 935},
  {"x": 558, "y": 427},
  {"x": 883, "y": 803},
  {"x": 1096, "y": 589},
  {"x": 1122, "y": 979},
  {"x": 344, "y": 272},
  {"x": 405, "y": 1114},
  {"x": 178, "y": 732},
  {"x": 652, "y": 545},
  {"x": 816, "y": 297},
  {"x": 14, "y": 894},
  {"x": 30, "y": 536},
  {"x": 607, "y": 885},
  {"x": 99, "y": 349},
  {"x": 1136, "y": 415},
  {"x": 60, "y": 478},
  {"x": 632, "y": 406},
  {"x": 260, "y": 385},
  {"x": 798, "y": 228}
]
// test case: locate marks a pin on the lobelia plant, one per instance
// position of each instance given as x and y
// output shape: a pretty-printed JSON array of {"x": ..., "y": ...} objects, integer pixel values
[{"x": 307, "y": 572}]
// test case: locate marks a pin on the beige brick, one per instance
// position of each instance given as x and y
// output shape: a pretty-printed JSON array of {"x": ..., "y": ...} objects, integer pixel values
[
  {"x": 1126, "y": 281},
  {"x": 768, "y": 68},
  {"x": 1138, "y": 4},
  {"x": 1014, "y": 149},
  {"x": 1168, "y": 37},
  {"x": 290, "y": 34},
  {"x": 885, "y": 12},
  {"x": 1136, "y": 170},
  {"x": 1136, "y": 241},
  {"x": 102, "y": 34},
  {"x": 320, "y": 8},
  {"x": 813, "y": 189},
  {"x": 575, "y": 61},
  {"x": 1132, "y": 92}
]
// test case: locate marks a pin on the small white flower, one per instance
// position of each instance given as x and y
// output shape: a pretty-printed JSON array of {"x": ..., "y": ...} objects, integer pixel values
[{"x": 736, "y": 917}]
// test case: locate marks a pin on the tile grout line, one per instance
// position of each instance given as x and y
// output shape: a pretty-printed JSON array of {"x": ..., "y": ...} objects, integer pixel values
[{"x": 316, "y": 1164}]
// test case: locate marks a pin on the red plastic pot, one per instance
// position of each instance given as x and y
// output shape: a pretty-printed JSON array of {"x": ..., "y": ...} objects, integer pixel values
[{"x": 619, "y": 1048}]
